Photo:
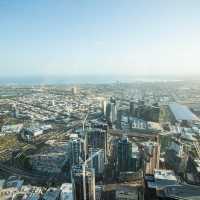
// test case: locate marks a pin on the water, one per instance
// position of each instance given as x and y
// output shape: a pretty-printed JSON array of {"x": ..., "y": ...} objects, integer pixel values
[{"x": 80, "y": 79}]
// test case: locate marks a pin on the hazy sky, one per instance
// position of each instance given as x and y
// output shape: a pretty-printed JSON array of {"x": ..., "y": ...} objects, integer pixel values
[{"x": 136, "y": 37}]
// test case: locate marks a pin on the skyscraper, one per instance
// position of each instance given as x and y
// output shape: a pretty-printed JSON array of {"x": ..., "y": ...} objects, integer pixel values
[
  {"x": 103, "y": 106},
  {"x": 152, "y": 154},
  {"x": 97, "y": 161},
  {"x": 78, "y": 187},
  {"x": 111, "y": 111},
  {"x": 124, "y": 155},
  {"x": 132, "y": 108},
  {"x": 97, "y": 136},
  {"x": 155, "y": 112},
  {"x": 108, "y": 111},
  {"x": 75, "y": 150}
]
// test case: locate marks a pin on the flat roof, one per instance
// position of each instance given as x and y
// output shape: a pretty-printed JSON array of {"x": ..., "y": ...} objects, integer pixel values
[
  {"x": 182, "y": 112},
  {"x": 152, "y": 185},
  {"x": 2, "y": 182},
  {"x": 51, "y": 194},
  {"x": 164, "y": 175},
  {"x": 186, "y": 192}
]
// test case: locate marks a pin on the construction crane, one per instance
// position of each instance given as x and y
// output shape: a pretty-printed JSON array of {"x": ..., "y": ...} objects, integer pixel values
[{"x": 85, "y": 156}]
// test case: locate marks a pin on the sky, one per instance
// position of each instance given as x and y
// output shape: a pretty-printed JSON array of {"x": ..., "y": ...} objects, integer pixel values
[{"x": 100, "y": 37}]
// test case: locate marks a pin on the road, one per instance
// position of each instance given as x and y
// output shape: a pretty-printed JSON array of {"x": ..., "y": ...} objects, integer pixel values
[
  {"x": 28, "y": 175},
  {"x": 117, "y": 186},
  {"x": 21, "y": 173},
  {"x": 118, "y": 132}
]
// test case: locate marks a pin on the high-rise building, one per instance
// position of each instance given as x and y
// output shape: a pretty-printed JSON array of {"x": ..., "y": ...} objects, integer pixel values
[
  {"x": 99, "y": 192},
  {"x": 97, "y": 161},
  {"x": 140, "y": 109},
  {"x": 132, "y": 108},
  {"x": 75, "y": 90},
  {"x": 83, "y": 183},
  {"x": 108, "y": 111},
  {"x": 152, "y": 154},
  {"x": 111, "y": 110},
  {"x": 124, "y": 155},
  {"x": 119, "y": 118},
  {"x": 97, "y": 138},
  {"x": 135, "y": 164},
  {"x": 155, "y": 112},
  {"x": 103, "y": 106},
  {"x": 15, "y": 111},
  {"x": 75, "y": 150}
]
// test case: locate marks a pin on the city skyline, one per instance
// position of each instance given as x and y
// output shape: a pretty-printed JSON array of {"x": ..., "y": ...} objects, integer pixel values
[
  {"x": 135, "y": 38},
  {"x": 99, "y": 100}
]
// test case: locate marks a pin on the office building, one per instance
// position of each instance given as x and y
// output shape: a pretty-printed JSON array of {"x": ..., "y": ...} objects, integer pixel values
[
  {"x": 83, "y": 183},
  {"x": 75, "y": 150},
  {"x": 99, "y": 192},
  {"x": 155, "y": 112},
  {"x": 97, "y": 138},
  {"x": 75, "y": 90},
  {"x": 152, "y": 156},
  {"x": 111, "y": 111},
  {"x": 103, "y": 106},
  {"x": 132, "y": 108},
  {"x": 97, "y": 161},
  {"x": 66, "y": 191},
  {"x": 124, "y": 155}
]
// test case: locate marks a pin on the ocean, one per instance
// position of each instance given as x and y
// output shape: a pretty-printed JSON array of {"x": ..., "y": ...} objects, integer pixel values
[{"x": 82, "y": 79}]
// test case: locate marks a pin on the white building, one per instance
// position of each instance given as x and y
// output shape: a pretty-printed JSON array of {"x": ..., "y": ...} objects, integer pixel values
[
  {"x": 2, "y": 183},
  {"x": 66, "y": 191},
  {"x": 7, "y": 129},
  {"x": 164, "y": 178},
  {"x": 52, "y": 194}
]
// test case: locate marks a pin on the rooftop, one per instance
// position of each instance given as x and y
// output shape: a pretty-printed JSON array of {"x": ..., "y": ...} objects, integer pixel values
[
  {"x": 182, "y": 112},
  {"x": 2, "y": 182},
  {"x": 51, "y": 194},
  {"x": 183, "y": 192},
  {"x": 164, "y": 175},
  {"x": 66, "y": 191}
]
